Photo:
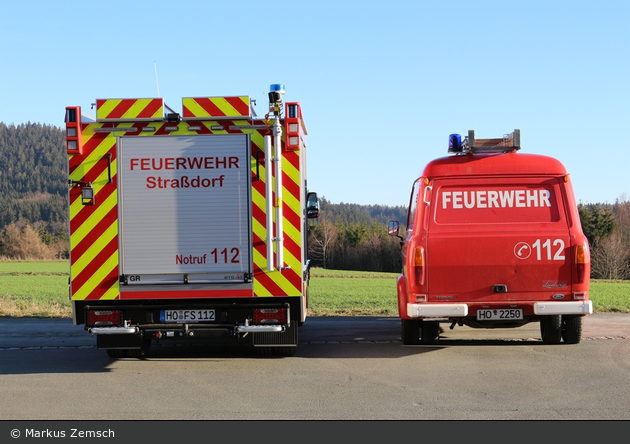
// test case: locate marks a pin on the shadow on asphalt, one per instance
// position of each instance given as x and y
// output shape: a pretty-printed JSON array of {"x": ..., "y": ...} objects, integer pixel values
[
  {"x": 320, "y": 338},
  {"x": 93, "y": 360}
]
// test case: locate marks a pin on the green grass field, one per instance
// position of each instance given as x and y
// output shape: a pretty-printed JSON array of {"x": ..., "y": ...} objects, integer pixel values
[
  {"x": 30, "y": 288},
  {"x": 40, "y": 289},
  {"x": 352, "y": 293}
]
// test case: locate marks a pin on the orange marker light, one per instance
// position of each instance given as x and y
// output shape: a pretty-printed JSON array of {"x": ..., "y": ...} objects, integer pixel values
[{"x": 418, "y": 265}]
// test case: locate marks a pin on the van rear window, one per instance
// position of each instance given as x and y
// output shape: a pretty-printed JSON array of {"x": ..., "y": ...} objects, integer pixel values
[{"x": 497, "y": 203}]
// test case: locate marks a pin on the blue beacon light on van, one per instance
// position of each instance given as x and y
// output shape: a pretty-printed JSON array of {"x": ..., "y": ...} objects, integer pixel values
[{"x": 455, "y": 143}]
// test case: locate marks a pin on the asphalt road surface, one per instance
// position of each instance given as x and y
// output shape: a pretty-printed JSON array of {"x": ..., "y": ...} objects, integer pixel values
[{"x": 346, "y": 368}]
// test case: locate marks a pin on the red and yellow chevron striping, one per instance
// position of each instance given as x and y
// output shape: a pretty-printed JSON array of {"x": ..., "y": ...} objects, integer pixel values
[
  {"x": 286, "y": 282},
  {"x": 117, "y": 110},
  {"x": 94, "y": 229},
  {"x": 203, "y": 108}
]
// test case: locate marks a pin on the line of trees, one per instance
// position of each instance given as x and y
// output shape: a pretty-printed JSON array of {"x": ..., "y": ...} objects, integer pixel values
[
  {"x": 351, "y": 237},
  {"x": 354, "y": 237},
  {"x": 25, "y": 241},
  {"x": 33, "y": 191},
  {"x": 607, "y": 228},
  {"x": 34, "y": 214}
]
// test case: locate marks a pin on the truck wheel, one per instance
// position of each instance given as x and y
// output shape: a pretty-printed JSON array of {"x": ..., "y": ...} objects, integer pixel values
[
  {"x": 410, "y": 331},
  {"x": 430, "y": 332},
  {"x": 571, "y": 329},
  {"x": 276, "y": 351},
  {"x": 551, "y": 329},
  {"x": 142, "y": 352},
  {"x": 117, "y": 353},
  {"x": 285, "y": 351},
  {"x": 263, "y": 351}
]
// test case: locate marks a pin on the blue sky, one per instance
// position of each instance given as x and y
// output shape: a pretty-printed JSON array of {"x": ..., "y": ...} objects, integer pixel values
[{"x": 381, "y": 84}]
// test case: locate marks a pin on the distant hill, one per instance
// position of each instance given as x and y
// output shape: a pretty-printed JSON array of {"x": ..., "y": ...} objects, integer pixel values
[
  {"x": 348, "y": 213},
  {"x": 33, "y": 175},
  {"x": 33, "y": 183}
]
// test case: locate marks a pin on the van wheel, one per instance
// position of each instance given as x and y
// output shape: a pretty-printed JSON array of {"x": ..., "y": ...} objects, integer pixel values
[
  {"x": 571, "y": 329},
  {"x": 430, "y": 332},
  {"x": 410, "y": 331},
  {"x": 551, "y": 329}
]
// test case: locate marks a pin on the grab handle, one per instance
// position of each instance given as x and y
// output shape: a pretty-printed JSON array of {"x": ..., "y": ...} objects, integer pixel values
[{"x": 427, "y": 195}]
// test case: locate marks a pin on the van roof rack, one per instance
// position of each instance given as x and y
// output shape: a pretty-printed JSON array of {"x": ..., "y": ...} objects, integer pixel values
[{"x": 508, "y": 143}]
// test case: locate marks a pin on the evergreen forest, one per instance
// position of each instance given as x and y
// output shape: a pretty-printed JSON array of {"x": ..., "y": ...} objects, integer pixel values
[{"x": 34, "y": 214}]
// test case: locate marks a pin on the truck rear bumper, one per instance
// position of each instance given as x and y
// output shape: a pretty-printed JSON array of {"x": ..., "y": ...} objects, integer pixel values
[
  {"x": 136, "y": 330},
  {"x": 114, "y": 330},
  {"x": 259, "y": 328}
]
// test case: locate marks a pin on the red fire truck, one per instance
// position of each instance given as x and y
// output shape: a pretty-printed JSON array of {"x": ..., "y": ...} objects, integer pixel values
[
  {"x": 189, "y": 226},
  {"x": 493, "y": 240}
]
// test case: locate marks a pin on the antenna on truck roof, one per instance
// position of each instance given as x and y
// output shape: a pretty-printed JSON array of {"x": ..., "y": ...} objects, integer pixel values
[
  {"x": 156, "y": 79},
  {"x": 508, "y": 143}
]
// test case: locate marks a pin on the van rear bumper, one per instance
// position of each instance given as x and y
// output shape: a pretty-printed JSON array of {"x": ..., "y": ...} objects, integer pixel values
[
  {"x": 436, "y": 310},
  {"x": 461, "y": 310},
  {"x": 563, "y": 308}
]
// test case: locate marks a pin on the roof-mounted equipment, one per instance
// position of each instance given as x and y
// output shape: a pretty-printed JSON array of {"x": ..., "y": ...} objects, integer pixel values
[{"x": 508, "y": 143}]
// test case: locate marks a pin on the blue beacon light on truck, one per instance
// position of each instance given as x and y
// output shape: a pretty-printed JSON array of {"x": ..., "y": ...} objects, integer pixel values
[{"x": 277, "y": 87}]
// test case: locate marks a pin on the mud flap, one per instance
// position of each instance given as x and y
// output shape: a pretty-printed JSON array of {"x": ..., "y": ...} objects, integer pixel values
[{"x": 119, "y": 341}]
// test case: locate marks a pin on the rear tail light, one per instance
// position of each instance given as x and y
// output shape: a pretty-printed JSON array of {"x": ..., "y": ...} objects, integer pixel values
[
  {"x": 104, "y": 318},
  {"x": 270, "y": 316},
  {"x": 580, "y": 263},
  {"x": 418, "y": 265},
  {"x": 74, "y": 138}
]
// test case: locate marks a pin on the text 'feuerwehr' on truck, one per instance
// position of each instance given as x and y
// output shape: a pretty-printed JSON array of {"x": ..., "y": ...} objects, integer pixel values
[{"x": 189, "y": 226}]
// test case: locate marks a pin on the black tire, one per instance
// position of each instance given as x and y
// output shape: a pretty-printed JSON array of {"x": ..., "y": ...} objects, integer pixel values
[
  {"x": 551, "y": 329},
  {"x": 410, "y": 331},
  {"x": 429, "y": 332},
  {"x": 263, "y": 351},
  {"x": 117, "y": 353},
  {"x": 276, "y": 351},
  {"x": 571, "y": 329},
  {"x": 285, "y": 351},
  {"x": 140, "y": 353}
]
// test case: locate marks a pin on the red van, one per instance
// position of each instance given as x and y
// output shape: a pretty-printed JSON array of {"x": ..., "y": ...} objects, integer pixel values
[{"x": 493, "y": 240}]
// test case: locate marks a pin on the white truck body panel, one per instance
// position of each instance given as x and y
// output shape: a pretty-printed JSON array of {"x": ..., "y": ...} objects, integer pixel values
[{"x": 184, "y": 208}]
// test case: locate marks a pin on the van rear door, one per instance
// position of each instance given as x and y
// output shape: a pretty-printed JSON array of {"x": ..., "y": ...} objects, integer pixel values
[{"x": 499, "y": 238}]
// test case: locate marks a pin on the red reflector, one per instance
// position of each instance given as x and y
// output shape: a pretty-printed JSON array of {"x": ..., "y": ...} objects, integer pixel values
[
  {"x": 419, "y": 275},
  {"x": 270, "y": 316},
  {"x": 418, "y": 265},
  {"x": 103, "y": 317},
  {"x": 581, "y": 272},
  {"x": 580, "y": 262}
]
